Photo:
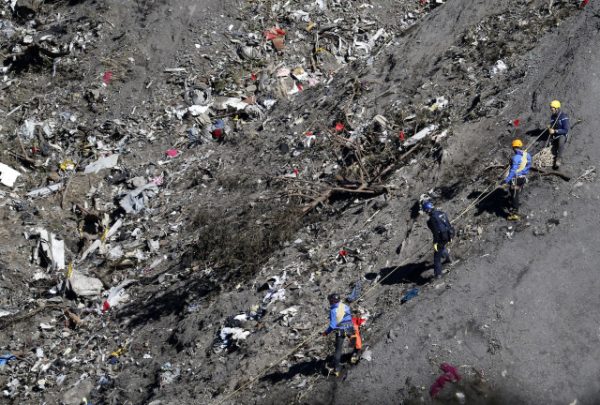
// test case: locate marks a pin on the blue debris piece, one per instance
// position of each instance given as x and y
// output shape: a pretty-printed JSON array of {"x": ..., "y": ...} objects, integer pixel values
[
  {"x": 409, "y": 295},
  {"x": 6, "y": 358},
  {"x": 355, "y": 294}
]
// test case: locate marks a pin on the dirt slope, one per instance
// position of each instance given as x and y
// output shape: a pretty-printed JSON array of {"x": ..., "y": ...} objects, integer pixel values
[
  {"x": 523, "y": 309},
  {"x": 233, "y": 237}
]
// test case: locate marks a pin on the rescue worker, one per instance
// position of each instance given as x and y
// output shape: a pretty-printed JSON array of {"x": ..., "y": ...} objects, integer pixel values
[
  {"x": 559, "y": 130},
  {"x": 340, "y": 322},
  {"x": 443, "y": 232},
  {"x": 517, "y": 177}
]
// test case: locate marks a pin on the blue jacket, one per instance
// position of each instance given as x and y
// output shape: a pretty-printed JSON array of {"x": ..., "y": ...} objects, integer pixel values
[
  {"x": 340, "y": 317},
  {"x": 519, "y": 166},
  {"x": 560, "y": 123}
]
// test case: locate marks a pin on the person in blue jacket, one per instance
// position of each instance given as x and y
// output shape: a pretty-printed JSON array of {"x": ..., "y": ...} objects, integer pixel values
[
  {"x": 517, "y": 177},
  {"x": 559, "y": 130},
  {"x": 340, "y": 322},
  {"x": 442, "y": 232}
]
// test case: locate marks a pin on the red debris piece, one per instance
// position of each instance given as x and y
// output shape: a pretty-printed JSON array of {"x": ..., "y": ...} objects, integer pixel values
[
  {"x": 516, "y": 123},
  {"x": 299, "y": 86},
  {"x": 35, "y": 149},
  {"x": 274, "y": 33},
  {"x": 339, "y": 127},
  {"x": 105, "y": 306},
  {"x": 343, "y": 253},
  {"x": 450, "y": 375},
  {"x": 296, "y": 171},
  {"x": 253, "y": 77},
  {"x": 583, "y": 3},
  {"x": 217, "y": 133},
  {"x": 402, "y": 136},
  {"x": 309, "y": 133},
  {"x": 277, "y": 36},
  {"x": 107, "y": 77},
  {"x": 172, "y": 153}
]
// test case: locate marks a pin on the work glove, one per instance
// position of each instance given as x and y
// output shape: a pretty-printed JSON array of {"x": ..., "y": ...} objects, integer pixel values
[
  {"x": 435, "y": 247},
  {"x": 551, "y": 130},
  {"x": 323, "y": 333}
]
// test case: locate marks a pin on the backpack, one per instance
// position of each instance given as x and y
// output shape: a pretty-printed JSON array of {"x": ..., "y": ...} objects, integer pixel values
[{"x": 442, "y": 227}]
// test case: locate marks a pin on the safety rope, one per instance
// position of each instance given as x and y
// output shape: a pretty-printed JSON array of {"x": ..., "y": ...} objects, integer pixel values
[{"x": 485, "y": 194}]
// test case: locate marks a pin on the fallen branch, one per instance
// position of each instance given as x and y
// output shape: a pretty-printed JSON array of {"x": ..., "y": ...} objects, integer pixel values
[
  {"x": 363, "y": 189},
  {"x": 394, "y": 165},
  {"x": 545, "y": 172}
]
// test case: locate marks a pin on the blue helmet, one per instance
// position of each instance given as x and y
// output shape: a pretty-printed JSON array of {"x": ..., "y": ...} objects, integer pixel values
[{"x": 427, "y": 206}]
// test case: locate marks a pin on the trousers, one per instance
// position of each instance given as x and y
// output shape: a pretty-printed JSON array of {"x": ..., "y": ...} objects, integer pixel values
[
  {"x": 516, "y": 187},
  {"x": 558, "y": 146},
  {"x": 340, "y": 337},
  {"x": 441, "y": 253}
]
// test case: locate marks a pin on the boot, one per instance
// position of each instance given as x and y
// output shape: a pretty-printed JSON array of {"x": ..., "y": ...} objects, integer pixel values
[{"x": 557, "y": 163}]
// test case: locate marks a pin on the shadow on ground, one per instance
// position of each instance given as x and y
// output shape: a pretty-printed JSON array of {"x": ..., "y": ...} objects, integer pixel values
[
  {"x": 165, "y": 303},
  {"x": 496, "y": 203},
  {"x": 306, "y": 368},
  {"x": 408, "y": 274}
]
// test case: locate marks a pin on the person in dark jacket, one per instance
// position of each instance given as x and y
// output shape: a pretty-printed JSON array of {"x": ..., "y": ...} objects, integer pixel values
[
  {"x": 559, "y": 130},
  {"x": 517, "y": 177},
  {"x": 443, "y": 232},
  {"x": 340, "y": 322}
]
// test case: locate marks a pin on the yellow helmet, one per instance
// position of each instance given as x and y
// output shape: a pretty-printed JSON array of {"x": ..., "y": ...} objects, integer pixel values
[
  {"x": 517, "y": 143},
  {"x": 555, "y": 104}
]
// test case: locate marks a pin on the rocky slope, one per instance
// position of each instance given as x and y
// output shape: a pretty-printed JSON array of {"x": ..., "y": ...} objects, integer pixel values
[{"x": 196, "y": 266}]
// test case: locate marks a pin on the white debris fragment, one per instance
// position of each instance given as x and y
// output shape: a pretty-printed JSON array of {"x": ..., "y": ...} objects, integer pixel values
[
  {"x": 196, "y": 110},
  {"x": 51, "y": 247},
  {"x": 98, "y": 242},
  {"x": 135, "y": 200},
  {"x": 84, "y": 286},
  {"x": 107, "y": 162},
  {"x": 117, "y": 295},
  {"x": 234, "y": 333},
  {"x": 420, "y": 135},
  {"x": 241, "y": 317},
  {"x": 8, "y": 175},
  {"x": 4, "y": 312},
  {"x": 222, "y": 103},
  {"x": 44, "y": 191},
  {"x": 289, "y": 311},
  {"x": 274, "y": 296},
  {"x": 439, "y": 104},
  {"x": 499, "y": 67},
  {"x": 115, "y": 253}
]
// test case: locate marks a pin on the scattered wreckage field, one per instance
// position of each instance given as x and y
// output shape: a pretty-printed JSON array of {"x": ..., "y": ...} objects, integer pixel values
[{"x": 183, "y": 186}]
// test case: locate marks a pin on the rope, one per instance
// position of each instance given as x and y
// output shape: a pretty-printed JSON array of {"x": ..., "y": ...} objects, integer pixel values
[{"x": 364, "y": 295}]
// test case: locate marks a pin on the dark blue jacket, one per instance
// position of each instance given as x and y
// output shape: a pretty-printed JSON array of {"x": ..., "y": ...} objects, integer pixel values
[
  {"x": 435, "y": 223},
  {"x": 518, "y": 166},
  {"x": 340, "y": 317},
  {"x": 560, "y": 123}
]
